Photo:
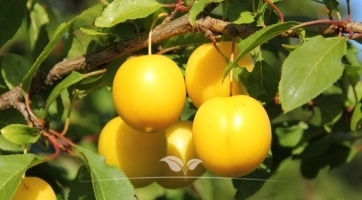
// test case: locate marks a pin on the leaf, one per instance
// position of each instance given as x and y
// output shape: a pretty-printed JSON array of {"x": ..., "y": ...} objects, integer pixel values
[
  {"x": 174, "y": 163},
  {"x": 121, "y": 10},
  {"x": 84, "y": 37},
  {"x": 303, "y": 79},
  {"x": 290, "y": 136},
  {"x": 256, "y": 39},
  {"x": 21, "y": 134},
  {"x": 357, "y": 117},
  {"x": 14, "y": 69},
  {"x": 7, "y": 145},
  {"x": 197, "y": 7},
  {"x": 108, "y": 181},
  {"x": 237, "y": 12},
  {"x": 333, "y": 156},
  {"x": 47, "y": 50},
  {"x": 253, "y": 87},
  {"x": 13, "y": 168},
  {"x": 81, "y": 187},
  {"x": 71, "y": 79},
  {"x": 37, "y": 33},
  {"x": 186, "y": 40},
  {"x": 267, "y": 78},
  {"x": 251, "y": 183},
  {"x": 11, "y": 16},
  {"x": 11, "y": 116},
  {"x": 192, "y": 164}
]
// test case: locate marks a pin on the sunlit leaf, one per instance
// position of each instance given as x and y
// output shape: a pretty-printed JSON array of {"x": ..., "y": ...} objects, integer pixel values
[
  {"x": 108, "y": 181},
  {"x": 311, "y": 69},
  {"x": 21, "y": 134},
  {"x": 256, "y": 39},
  {"x": 121, "y": 10},
  {"x": 12, "y": 168}
]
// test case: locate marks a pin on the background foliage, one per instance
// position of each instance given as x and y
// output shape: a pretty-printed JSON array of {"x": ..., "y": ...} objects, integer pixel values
[{"x": 316, "y": 128}]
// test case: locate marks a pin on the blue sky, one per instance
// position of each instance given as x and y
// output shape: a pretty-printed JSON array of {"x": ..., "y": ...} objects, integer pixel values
[{"x": 356, "y": 15}]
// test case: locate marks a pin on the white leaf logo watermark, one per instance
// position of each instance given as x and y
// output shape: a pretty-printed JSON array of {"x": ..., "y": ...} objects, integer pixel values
[{"x": 177, "y": 165}]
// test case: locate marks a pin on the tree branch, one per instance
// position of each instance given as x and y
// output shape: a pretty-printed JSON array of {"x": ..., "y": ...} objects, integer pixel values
[{"x": 47, "y": 77}]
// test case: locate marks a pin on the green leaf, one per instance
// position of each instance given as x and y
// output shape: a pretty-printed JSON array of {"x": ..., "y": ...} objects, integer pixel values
[
  {"x": 47, "y": 50},
  {"x": 21, "y": 134},
  {"x": 7, "y": 145},
  {"x": 258, "y": 38},
  {"x": 333, "y": 156},
  {"x": 84, "y": 37},
  {"x": 237, "y": 12},
  {"x": 11, "y": 16},
  {"x": 121, "y": 10},
  {"x": 14, "y": 69},
  {"x": 11, "y": 116},
  {"x": 13, "y": 168},
  {"x": 247, "y": 80},
  {"x": 197, "y": 7},
  {"x": 290, "y": 136},
  {"x": 357, "y": 117},
  {"x": 81, "y": 187},
  {"x": 250, "y": 184},
  {"x": 310, "y": 69},
  {"x": 267, "y": 78},
  {"x": 294, "y": 115},
  {"x": 108, "y": 181},
  {"x": 38, "y": 37},
  {"x": 71, "y": 79},
  {"x": 186, "y": 40}
]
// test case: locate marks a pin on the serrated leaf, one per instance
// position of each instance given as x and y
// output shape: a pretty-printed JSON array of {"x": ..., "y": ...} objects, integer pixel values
[
  {"x": 14, "y": 69},
  {"x": 47, "y": 50},
  {"x": 253, "y": 87},
  {"x": 174, "y": 163},
  {"x": 267, "y": 78},
  {"x": 21, "y": 134},
  {"x": 108, "y": 181},
  {"x": 197, "y": 7},
  {"x": 121, "y": 10},
  {"x": 193, "y": 163},
  {"x": 256, "y": 39},
  {"x": 12, "y": 168},
  {"x": 11, "y": 16},
  {"x": 303, "y": 79},
  {"x": 81, "y": 187}
]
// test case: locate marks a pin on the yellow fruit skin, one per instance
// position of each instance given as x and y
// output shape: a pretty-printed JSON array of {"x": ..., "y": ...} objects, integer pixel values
[
  {"x": 181, "y": 145},
  {"x": 205, "y": 70},
  {"x": 232, "y": 135},
  {"x": 136, "y": 153},
  {"x": 149, "y": 92},
  {"x": 34, "y": 188}
]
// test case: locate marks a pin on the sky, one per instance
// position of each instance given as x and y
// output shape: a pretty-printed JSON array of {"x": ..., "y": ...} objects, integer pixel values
[{"x": 356, "y": 15}]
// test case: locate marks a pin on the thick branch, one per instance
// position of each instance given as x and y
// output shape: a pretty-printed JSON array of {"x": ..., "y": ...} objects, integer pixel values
[{"x": 161, "y": 32}]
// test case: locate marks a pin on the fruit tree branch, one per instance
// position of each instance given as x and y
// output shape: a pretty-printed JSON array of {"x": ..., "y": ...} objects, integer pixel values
[{"x": 162, "y": 32}]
